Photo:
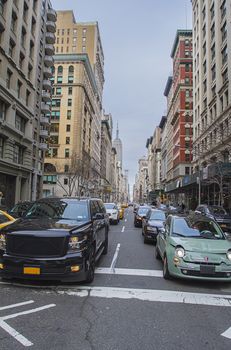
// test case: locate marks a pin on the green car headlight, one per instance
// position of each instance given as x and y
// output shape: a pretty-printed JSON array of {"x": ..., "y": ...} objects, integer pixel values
[
  {"x": 2, "y": 241},
  {"x": 229, "y": 254},
  {"x": 180, "y": 252}
]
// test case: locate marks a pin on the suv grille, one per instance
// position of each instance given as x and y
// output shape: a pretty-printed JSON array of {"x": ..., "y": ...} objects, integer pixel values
[{"x": 32, "y": 246}]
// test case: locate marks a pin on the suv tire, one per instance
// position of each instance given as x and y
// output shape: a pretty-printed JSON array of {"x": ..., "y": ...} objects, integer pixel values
[{"x": 91, "y": 265}]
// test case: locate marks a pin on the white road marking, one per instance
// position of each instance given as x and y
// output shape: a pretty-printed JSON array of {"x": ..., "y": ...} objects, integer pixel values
[
  {"x": 152, "y": 295},
  {"x": 27, "y": 312},
  {"x": 10, "y": 330},
  {"x": 19, "y": 337},
  {"x": 129, "y": 272},
  {"x": 115, "y": 257},
  {"x": 123, "y": 228},
  {"x": 125, "y": 220},
  {"x": 15, "y": 305},
  {"x": 227, "y": 334}
]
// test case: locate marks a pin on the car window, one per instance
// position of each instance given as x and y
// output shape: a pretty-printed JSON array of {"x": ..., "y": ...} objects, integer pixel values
[
  {"x": 102, "y": 207},
  {"x": 94, "y": 208},
  {"x": 157, "y": 215},
  {"x": 143, "y": 211},
  {"x": 109, "y": 205},
  {"x": 198, "y": 229},
  {"x": 217, "y": 210},
  {"x": 59, "y": 210}
]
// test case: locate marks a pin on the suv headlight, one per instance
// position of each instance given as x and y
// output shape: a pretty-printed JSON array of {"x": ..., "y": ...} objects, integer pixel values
[
  {"x": 2, "y": 241},
  {"x": 76, "y": 243},
  {"x": 180, "y": 252},
  {"x": 229, "y": 254}
]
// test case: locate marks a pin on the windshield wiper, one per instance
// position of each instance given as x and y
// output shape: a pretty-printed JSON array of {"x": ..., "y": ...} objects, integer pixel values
[{"x": 178, "y": 234}]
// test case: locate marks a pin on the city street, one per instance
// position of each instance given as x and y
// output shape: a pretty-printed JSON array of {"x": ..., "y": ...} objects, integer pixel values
[{"x": 129, "y": 306}]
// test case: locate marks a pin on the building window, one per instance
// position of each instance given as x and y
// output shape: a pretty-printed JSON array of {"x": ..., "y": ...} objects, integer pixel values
[
  {"x": 67, "y": 140},
  {"x": 70, "y": 91},
  {"x": 1, "y": 147},
  {"x": 73, "y": 48},
  {"x": 75, "y": 32},
  {"x": 25, "y": 11},
  {"x": 19, "y": 88},
  {"x": 225, "y": 76},
  {"x": 65, "y": 181},
  {"x": 59, "y": 79},
  {"x": 84, "y": 49},
  {"x": 187, "y": 157},
  {"x": 224, "y": 55},
  {"x": 213, "y": 71},
  {"x": 69, "y": 114},
  {"x": 56, "y": 102},
  {"x": 223, "y": 10},
  {"x": 54, "y": 140},
  {"x": 58, "y": 91},
  {"x": 66, "y": 168},
  {"x": 60, "y": 70},
  {"x": 187, "y": 80},
  {"x": 70, "y": 79},
  {"x": 13, "y": 22},
  {"x": 68, "y": 127},
  {"x": 69, "y": 102},
  {"x": 27, "y": 97},
  {"x": 2, "y": 110},
  {"x": 20, "y": 123},
  {"x": 67, "y": 153},
  {"x": 55, "y": 115},
  {"x": 2, "y": 4},
  {"x": 187, "y": 170},
  {"x": 63, "y": 31},
  {"x": 11, "y": 48},
  {"x": 18, "y": 154},
  {"x": 8, "y": 78}
]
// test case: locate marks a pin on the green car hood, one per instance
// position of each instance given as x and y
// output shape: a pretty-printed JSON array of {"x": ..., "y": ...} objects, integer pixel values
[{"x": 201, "y": 245}]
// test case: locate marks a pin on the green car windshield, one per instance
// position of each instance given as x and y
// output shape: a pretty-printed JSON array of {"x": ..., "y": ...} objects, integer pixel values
[{"x": 199, "y": 229}]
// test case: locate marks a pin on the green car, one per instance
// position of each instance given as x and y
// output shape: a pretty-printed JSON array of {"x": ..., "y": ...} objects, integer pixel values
[{"x": 195, "y": 248}]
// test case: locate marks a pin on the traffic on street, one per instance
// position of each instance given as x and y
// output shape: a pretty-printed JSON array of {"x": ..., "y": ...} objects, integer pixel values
[{"x": 129, "y": 305}]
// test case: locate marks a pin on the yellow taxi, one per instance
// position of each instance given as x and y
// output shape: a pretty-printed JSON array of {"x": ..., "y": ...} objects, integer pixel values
[
  {"x": 125, "y": 205},
  {"x": 121, "y": 211},
  {"x": 5, "y": 219}
]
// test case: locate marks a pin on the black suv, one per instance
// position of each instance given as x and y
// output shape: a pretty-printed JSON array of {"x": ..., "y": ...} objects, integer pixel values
[
  {"x": 58, "y": 239},
  {"x": 216, "y": 213}
]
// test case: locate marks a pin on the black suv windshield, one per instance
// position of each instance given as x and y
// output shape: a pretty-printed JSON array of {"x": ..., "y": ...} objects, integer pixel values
[
  {"x": 157, "y": 215},
  {"x": 68, "y": 210},
  {"x": 199, "y": 229}
]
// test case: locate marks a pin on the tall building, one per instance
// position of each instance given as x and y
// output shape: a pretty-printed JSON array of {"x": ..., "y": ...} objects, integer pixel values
[
  {"x": 179, "y": 115},
  {"x": 73, "y": 160},
  {"x": 117, "y": 143},
  {"x": 26, "y": 47},
  {"x": 212, "y": 93}
]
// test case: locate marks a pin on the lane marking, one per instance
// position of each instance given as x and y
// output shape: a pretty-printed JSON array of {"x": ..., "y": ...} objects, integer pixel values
[
  {"x": 16, "y": 335},
  {"x": 227, "y": 334},
  {"x": 16, "y": 305},
  {"x": 129, "y": 272},
  {"x": 125, "y": 220},
  {"x": 152, "y": 295},
  {"x": 123, "y": 228},
  {"x": 10, "y": 330},
  {"x": 115, "y": 257},
  {"x": 27, "y": 312}
]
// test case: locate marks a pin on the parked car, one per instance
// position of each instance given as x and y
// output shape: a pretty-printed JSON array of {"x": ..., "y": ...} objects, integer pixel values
[
  {"x": 113, "y": 212},
  {"x": 138, "y": 217},
  {"x": 135, "y": 208},
  {"x": 5, "y": 219},
  {"x": 217, "y": 213},
  {"x": 152, "y": 222},
  {"x": 121, "y": 212},
  {"x": 194, "y": 247},
  {"x": 20, "y": 209},
  {"x": 58, "y": 239}
]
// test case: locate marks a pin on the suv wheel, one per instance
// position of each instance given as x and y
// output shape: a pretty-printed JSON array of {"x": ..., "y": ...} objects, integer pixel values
[
  {"x": 105, "y": 249},
  {"x": 91, "y": 265}
]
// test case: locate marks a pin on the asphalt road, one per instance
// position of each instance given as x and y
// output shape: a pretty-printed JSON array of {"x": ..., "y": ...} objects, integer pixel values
[{"x": 128, "y": 307}]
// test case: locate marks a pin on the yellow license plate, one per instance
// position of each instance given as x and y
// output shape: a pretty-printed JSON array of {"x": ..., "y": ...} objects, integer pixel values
[{"x": 31, "y": 270}]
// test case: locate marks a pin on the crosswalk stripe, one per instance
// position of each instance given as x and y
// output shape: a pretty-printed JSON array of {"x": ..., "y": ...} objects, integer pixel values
[{"x": 130, "y": 272}]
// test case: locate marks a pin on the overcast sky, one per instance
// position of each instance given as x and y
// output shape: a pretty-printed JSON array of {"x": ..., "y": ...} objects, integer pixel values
[{"x": 137, "y": 38}]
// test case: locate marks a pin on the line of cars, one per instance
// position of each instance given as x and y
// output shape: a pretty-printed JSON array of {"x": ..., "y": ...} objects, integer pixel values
[{"x": 197, "y": 246}]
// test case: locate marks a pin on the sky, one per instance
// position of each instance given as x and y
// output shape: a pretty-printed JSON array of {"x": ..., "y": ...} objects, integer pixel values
[{"x": 137, "y": 38}]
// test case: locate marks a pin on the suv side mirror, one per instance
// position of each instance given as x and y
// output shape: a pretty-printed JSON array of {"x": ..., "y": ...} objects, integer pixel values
[{"x": 98, "y": 216}]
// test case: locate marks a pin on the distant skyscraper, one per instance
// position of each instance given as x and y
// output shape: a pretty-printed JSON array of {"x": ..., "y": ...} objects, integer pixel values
[{"x": 117, "y": 144}]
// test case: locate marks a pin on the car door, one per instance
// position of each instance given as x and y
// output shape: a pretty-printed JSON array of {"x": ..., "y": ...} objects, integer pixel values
[
  {"x": 163, "y": 235},
  {"x": 96, "y": 223}
]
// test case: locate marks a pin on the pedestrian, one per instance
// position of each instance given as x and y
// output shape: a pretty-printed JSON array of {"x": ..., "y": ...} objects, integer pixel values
[{"x": 182, "y": 207}]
